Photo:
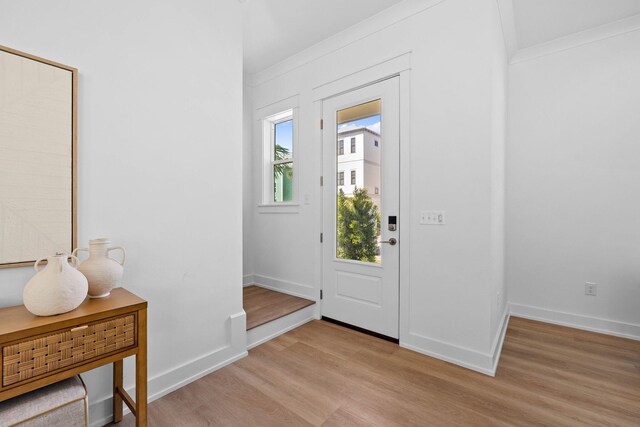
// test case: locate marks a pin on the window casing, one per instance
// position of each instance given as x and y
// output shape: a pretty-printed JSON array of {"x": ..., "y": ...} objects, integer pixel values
[
  {"x": 340, "y": 178},
  {"x": 341, "y": 147},
  {"x": 279, "y": 140},
  {"x": 353, "y": 177},
  {"x": 353, "y": 145}
]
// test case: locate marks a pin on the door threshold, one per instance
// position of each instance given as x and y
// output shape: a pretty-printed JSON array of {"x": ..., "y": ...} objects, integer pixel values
[{"x": 361, "y": 330}]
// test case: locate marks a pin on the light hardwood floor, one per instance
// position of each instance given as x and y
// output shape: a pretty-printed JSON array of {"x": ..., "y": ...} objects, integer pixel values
[
  {"x": 323, "y": 374},
  {"x": 264, "y": 305}
]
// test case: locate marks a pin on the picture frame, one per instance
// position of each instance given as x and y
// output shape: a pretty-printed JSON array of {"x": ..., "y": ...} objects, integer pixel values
[{"x": 38, "y": 158}]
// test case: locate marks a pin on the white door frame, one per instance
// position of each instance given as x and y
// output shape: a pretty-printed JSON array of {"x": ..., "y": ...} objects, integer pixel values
[{"x": 398, "y": 66}]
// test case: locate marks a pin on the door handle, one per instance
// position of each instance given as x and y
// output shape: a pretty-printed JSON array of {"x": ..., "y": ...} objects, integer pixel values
[{"x": 392, "y": 241}]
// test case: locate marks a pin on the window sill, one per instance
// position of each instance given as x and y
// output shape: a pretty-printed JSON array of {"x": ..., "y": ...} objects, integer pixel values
[{"x": 279, "y": 208}]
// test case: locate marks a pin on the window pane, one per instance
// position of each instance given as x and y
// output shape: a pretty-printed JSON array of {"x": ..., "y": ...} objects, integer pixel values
[
  {"x": 283, "y": 140},
  {"x": 283, "y": 182},
  {"x": 358, "y": 202}
]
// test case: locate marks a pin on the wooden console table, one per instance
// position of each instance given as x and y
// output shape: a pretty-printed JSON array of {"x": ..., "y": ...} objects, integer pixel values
[{"x": 37, "y": 351}]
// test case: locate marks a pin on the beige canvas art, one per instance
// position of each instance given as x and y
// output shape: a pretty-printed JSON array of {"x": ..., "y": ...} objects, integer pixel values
[{"x": 36, "y": 159}]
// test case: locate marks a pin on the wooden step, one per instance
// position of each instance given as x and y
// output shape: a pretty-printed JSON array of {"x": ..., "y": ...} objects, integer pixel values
[{"x": 264, "y": 305}]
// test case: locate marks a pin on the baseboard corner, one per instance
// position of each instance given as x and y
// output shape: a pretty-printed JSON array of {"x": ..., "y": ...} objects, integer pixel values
[
  {"x": 496, "y": 349},
  {"x": 287, "y": 287},
  {"x": 577, "y": 321}
]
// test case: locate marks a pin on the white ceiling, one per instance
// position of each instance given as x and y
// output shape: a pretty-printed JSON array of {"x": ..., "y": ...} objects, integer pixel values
[
  {"x": 540, "y": 21},
  {"x": 276, "y": 29}
]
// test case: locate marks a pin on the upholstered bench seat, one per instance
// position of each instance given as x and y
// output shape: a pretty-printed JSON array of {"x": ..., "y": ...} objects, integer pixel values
[{"x": 63, "y": 404}]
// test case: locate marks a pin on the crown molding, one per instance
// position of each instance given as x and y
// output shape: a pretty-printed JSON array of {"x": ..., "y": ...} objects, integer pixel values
[
  {"x": 359, "y": 31},
  {"x": 602, "y": 32}
]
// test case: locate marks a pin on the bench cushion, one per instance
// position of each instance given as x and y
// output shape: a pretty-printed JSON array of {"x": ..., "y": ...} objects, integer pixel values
[{"x": 62, "y": 404}]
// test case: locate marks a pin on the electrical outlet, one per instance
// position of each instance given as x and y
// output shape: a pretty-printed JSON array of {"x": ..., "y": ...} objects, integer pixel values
[
  {"x": 591, "y": 289},
  {"x": 432, "y": 217}
]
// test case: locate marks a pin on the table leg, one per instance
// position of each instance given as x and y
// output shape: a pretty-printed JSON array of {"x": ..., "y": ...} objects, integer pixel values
[
  {"x": 117, "y": 383},
  {"x": 141, "y": 371}
]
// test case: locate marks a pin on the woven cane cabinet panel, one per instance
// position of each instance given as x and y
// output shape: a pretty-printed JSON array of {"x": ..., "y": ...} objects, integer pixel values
[{"x": 33, "y": 358}]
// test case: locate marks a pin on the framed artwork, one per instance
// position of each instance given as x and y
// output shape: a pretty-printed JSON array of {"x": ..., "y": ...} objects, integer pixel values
[{"x": 38, "y": 158}]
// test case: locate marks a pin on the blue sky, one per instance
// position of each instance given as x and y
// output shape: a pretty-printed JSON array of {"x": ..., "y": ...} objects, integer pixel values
[
  {"x": 372, "y": 123},
  {"x": 284, "y": 130},
  {"x": 284, "y": 134}
]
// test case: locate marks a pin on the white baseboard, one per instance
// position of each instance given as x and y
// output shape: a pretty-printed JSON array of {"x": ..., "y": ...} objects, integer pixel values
[
  {"x": 100, "y": 412},
  {"x": 485, "y": 363},
  {"x": 291, "y": 288},
  {"x": 498, "y": 342},
  {"x": 268, "y": 331},
  {"x": 467, "y": 358},
  {"x": 578, "y": 321},
  {"x": 248, "y": 280}
]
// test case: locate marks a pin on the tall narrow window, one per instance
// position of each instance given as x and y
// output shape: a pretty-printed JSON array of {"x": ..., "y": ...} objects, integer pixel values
[
  {"x": 279, "y": 151},
  {"x": 353, "y": 177},
  {"x": 353, "y": 145},
  {"x": 341, "y": 147},
  {"x": 340, "y": 178}
]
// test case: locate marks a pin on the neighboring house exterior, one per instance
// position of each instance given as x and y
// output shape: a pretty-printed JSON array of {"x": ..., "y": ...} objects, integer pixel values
[{"x": 359, "y": 161}]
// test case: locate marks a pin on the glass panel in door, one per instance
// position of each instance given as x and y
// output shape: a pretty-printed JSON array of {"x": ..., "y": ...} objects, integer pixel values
[{"x": 358, "y": 182}]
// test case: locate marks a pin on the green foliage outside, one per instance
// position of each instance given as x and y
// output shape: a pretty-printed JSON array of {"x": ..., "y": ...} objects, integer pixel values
[
  {"x": 283, "y": 176},
  {"x": 280, "y": 153},
  {"x": 358, "y": 226}
]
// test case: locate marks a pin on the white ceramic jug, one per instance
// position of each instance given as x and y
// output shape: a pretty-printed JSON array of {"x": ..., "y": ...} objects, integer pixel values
[
  {"x": 102, "y": 272},
  {"x": 56, "y": 288}
]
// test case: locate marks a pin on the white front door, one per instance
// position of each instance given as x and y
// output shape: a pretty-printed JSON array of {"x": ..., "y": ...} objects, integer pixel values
[{"x": 361, "y": 203}]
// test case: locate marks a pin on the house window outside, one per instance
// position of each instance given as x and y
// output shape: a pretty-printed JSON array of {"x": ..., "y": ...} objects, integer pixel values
[
  {"x": 341, "y": 147},
  {"x": 340, "y": 178},
  {"x": 353, "y": 177},
  {"x": 353, "y": 145},
  {"x": 376, "y": 190},
  {"x": 375, "y": 142}
]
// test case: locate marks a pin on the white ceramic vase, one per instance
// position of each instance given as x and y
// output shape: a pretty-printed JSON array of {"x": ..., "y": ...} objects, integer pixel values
[
  {"x": 56, "y": 288},
  {"x": 102, "y": 272}
]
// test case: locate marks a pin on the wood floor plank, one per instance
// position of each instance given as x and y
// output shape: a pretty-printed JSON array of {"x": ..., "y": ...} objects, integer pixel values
[
  {"x": 322, "y": 374},
  {"x": 264, "y": 305}
]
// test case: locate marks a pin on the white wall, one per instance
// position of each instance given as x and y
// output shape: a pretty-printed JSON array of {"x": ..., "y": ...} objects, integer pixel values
[
  {"x": 248, "y": 205},
  {"x": 499, "y": 114},
  {"x": 574, "y": 185},
  {"x": 457, "y": 139},
  {"x": 160, "y": 122}
]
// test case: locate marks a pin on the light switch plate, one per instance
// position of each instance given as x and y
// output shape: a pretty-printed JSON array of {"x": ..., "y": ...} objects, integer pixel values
[{"x": 432, "y": 218}]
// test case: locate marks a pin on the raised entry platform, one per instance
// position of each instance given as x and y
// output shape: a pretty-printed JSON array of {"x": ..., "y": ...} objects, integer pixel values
[
  {"x": 271, "y": 313},
  {"x": 264, "y": 305}
]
